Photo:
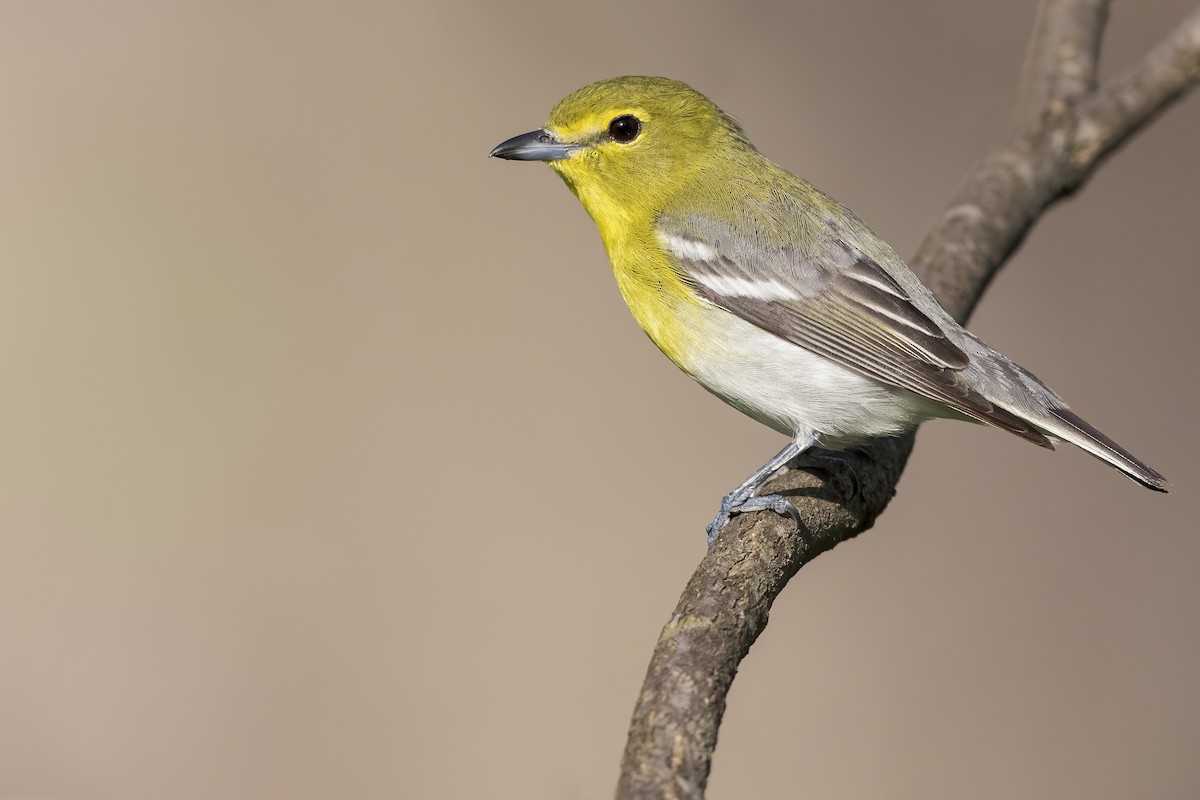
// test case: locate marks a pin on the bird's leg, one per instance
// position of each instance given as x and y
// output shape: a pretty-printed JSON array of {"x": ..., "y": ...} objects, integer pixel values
[{"x": 742, "y": 498}]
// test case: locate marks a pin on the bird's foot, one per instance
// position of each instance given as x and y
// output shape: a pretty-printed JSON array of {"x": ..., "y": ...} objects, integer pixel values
[
  {"x": 737, "y": 503},
  {"x": 742, "y": 498}
]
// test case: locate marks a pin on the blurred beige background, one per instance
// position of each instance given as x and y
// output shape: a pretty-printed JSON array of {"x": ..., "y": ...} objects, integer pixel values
[{"x": 299, "y": 389}]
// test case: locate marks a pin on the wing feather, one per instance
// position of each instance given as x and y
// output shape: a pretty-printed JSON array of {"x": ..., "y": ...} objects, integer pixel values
[{"x": 842, "y": 305}]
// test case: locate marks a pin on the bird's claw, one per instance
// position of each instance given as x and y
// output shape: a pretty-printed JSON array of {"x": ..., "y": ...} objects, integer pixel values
[{"x": 731, "y": 505}]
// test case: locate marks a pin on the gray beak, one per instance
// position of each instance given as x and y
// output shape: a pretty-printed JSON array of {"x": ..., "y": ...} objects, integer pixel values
[{"x": 534, "y": 146}]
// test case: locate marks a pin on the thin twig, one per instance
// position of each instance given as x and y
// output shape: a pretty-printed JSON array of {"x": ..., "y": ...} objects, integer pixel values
[{"x": 1062, "y": 57}]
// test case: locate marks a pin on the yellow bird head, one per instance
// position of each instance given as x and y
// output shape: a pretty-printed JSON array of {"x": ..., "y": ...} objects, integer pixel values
[{"x": 625, "y": 144}]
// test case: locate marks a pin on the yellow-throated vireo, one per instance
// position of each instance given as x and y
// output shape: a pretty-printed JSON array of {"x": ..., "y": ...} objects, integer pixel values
[{"x": 772, "y": 295}]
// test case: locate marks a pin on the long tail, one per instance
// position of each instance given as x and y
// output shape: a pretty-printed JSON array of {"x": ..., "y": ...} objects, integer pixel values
[{"x": 1069, "y": 426}]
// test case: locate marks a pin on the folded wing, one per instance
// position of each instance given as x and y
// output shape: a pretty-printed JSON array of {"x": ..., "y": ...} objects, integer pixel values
[{"x": 839, "y": 303}]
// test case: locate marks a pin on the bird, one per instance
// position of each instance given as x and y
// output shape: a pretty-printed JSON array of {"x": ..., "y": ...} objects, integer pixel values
[{"x": 772, "y": 295}]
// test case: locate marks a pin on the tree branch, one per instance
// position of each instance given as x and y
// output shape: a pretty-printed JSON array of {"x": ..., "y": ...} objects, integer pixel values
[
  {"x": 1062, "y": 56},
  {"x": 726, "y": 603},
  {"x": 1113, "y": 114}
]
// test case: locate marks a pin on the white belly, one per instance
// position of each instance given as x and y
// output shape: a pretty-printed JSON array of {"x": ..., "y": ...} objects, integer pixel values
[{"x": 792, "y": 390}]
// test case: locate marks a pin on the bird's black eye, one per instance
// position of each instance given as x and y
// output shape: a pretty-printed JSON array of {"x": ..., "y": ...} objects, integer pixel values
[{"x": 625, "y": 128}]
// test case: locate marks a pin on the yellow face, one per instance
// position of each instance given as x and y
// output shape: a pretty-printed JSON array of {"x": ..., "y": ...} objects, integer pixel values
[
  {"x": 625, "y": 144},
  {"x": 635, "y": 138}
]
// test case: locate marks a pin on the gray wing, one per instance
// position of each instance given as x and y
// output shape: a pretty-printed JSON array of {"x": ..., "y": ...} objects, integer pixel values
[{"x": 841, "y": 304}]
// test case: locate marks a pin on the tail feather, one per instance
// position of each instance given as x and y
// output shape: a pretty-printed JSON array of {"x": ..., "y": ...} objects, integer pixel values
[{"x": 1069, "y": 426}]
